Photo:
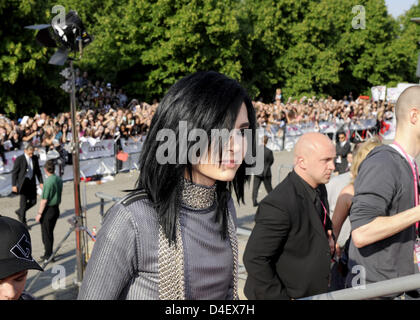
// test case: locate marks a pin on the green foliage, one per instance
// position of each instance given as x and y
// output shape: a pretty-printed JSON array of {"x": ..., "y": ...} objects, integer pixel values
[
  {"x": 147, "y": 45},
  {"x": 312, "y": 48},
  {"x": 27, "y": 83},
  {"x": 306, "y": 47}
]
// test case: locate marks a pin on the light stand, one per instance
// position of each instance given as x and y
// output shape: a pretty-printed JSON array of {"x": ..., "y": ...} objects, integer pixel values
[
  {"x": 80, "y": 244},
  {"x": 74, "y": 225},
  {"x": 69, "y": 37}
]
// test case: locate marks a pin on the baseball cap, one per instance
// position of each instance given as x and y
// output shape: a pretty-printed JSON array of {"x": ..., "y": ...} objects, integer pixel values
[{"x": 15, "y": 248}]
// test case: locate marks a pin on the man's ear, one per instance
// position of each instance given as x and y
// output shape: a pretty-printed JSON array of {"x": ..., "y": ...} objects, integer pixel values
[
  {"x": 301, "y": 163},
  {"x": 414, "y": 115}
]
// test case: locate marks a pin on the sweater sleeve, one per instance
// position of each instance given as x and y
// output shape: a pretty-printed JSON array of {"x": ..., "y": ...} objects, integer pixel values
[
  {"x": 113, "y": 263},
  {"x": 374, "y": 190}
]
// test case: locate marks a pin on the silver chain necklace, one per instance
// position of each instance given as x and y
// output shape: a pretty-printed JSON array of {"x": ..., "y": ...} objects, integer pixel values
[{"x": 197, "y": 196}]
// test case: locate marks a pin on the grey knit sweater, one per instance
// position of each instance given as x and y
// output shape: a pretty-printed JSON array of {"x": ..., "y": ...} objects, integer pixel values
[{"x": 124, "y": 261}]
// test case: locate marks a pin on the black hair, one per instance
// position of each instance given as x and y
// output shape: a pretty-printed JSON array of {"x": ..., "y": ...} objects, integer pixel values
[{"x": 205, "y": 100}]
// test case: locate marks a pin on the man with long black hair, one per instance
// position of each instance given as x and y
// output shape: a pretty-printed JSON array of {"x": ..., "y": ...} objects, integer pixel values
[{"x": 174, "y": 238}]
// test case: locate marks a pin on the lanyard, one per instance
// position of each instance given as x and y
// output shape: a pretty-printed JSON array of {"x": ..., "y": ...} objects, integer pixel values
[
  {"x": 415, "y": 175},
  {"x": 325, "y": 214}
]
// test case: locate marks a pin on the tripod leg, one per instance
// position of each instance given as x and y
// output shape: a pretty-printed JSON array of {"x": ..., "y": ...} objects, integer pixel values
[{"x": 51, "y": 257}]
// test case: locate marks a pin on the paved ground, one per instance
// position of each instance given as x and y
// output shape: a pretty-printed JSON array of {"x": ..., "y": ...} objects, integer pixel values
[{"x": 47, "y": 286}]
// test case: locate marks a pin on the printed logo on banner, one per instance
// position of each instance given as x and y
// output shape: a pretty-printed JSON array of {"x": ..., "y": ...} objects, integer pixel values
[
  {"x": 100, "y": 149},
  {"x": 97, "y": 149}
]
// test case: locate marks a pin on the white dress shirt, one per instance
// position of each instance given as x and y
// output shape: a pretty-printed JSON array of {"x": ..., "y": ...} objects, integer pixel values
[{"x": 30, "y": 172}]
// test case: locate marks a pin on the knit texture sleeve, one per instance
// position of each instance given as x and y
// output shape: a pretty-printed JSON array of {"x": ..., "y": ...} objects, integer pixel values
[{"x": 113, "y": 263}]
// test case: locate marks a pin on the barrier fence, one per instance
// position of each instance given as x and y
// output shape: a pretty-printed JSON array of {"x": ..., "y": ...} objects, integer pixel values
[
  {"x": 99, "y": 158},
  {"x": 285, "y": 137},
  {"x": 373, "y": 290}
]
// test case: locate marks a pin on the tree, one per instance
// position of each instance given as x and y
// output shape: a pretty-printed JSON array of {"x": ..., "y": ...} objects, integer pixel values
[
  {"x": 316, "y": 47},
  {"x": 307, "y": 47},
  {"x": 27, "y": 82},
  {"x": 146, "y": 46},
  {"x": 404, "y": 48}
]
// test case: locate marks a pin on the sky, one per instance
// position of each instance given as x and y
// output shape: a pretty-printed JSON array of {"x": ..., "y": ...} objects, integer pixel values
[{"x": 398, "y": 7}]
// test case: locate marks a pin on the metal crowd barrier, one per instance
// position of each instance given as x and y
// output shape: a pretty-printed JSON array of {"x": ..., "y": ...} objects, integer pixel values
[
  {"x": 373, "y": 290},
  {"x": 291, "y": 132}
]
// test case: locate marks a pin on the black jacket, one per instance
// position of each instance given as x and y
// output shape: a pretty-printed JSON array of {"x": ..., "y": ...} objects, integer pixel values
[
  {"x": 268, "y": 162},
  {"x": 288, "y": 255},
  {"x": 20, "y": 168},
  {"x": 342, "y": 152}
]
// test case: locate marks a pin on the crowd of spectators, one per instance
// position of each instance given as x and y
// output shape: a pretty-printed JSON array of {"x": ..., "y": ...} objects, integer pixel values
[
  {"x": 104, "y": 112},
  {"x": 274, "y": 116}
]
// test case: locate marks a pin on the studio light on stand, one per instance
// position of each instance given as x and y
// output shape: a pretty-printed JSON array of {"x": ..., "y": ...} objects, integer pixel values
[{"x": 69, "y": 37}]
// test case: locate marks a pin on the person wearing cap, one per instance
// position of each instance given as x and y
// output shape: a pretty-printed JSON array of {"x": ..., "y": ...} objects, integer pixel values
[
  {"x": 49, "y": 211},
  {"x": 25, "y": 169},
  {"x": 15, "y": 259}
]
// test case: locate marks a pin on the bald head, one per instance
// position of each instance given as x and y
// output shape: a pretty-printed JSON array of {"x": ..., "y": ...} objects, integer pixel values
[
  {"x": 309, "y": 143},
  {"x": 409, "y": 98},
  {"x": 314, "y": 158}
]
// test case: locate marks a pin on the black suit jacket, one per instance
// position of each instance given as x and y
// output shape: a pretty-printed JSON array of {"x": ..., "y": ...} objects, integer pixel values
[
  {"x": 20, "y": 168},
  {"x": 288, "y": 255},
  {"x": 268, "y": 162},
  {"x": 342, "y": 152}
]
